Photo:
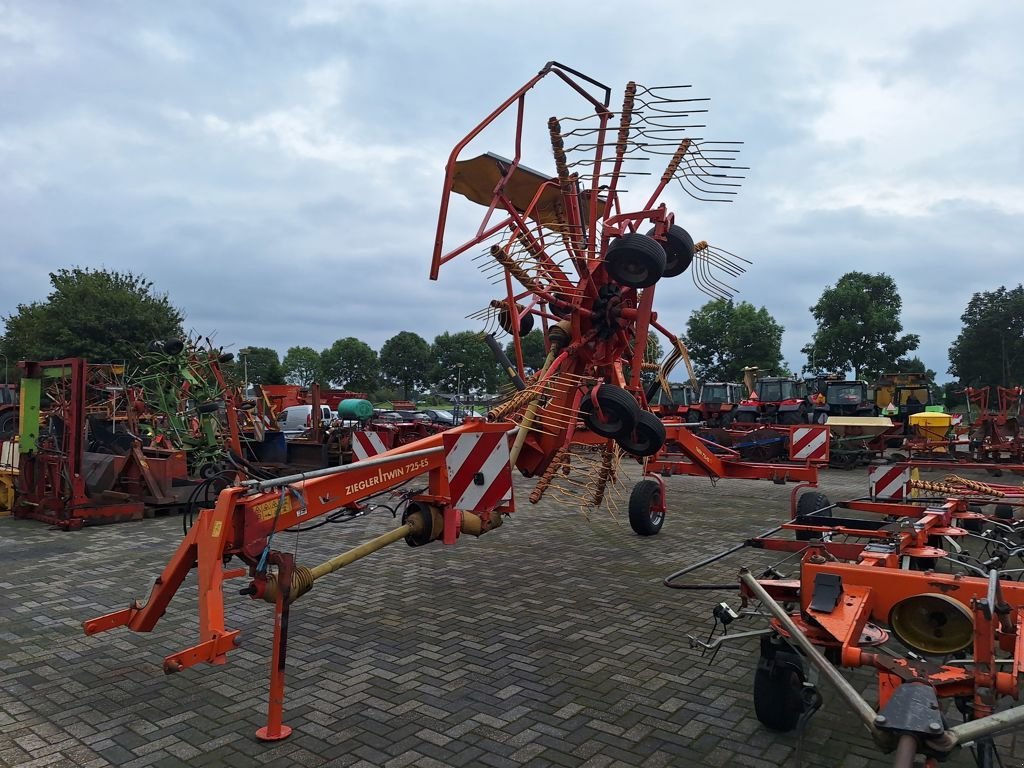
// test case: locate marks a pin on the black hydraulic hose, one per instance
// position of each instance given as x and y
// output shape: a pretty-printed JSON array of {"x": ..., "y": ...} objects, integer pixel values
[{"x": 668, "y": 580}]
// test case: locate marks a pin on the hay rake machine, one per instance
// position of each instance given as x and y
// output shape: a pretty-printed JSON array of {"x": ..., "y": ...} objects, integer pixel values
[
  {"x": 585, "y": 269},
  {"x": 934, "y": 574}
]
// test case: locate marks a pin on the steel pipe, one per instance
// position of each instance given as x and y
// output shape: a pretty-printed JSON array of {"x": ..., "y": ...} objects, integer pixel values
[
  {"x": 973, "y": 730},
  {"x": 277, "y": 482}
]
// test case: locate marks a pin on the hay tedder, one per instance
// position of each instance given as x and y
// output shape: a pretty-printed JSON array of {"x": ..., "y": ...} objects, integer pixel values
[
  {"x": 569, "y": 253},
  {"x": 934, "y": 574}
]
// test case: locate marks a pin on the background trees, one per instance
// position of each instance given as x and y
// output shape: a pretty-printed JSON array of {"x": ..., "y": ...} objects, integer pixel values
[
  {"x": 858, "y": 327},
  {"x": 302, "y": 366},
  {"x": 990, "y": 348},
  {"x": 350, "y": 364},
  {"x": 405, "y": 361},
  {"x": 479, "y": 370},
  {"x": 533, "y": 349},
  {"x": 100, "y": 315},
  {"x": 723, "y": 337},
  {"x": 259, "y": 365}
]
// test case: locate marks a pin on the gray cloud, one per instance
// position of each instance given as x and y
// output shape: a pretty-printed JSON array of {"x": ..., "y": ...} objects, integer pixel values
[{"x": 277, "y": 169}]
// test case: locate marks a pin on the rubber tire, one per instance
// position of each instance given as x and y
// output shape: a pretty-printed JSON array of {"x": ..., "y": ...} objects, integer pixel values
[
  {"x": 173, "y": 346},
  {"x": 635, "y": 260},
  {"x": 208, "y": 407},
  {"x": 740, "y": 416},
  {"x": 226, "y": 357},
  {"x": 1004, "y": 511},
  {"x": 974, "y": 526},
  {"x": 615, "y": 401},
  {"x": 678, "y": 251},
  {"x": 811, "y": 501},
  {"x": 505, "y": 321},
  {"x": 644, "y": 495},
  {"x": 692, "y": 417},
  {"x": 646, "y": 438},
  {"x": 778, "y": 684},
  {"x": 727, "y": 419},
  {"x": 8, "y": 424}
]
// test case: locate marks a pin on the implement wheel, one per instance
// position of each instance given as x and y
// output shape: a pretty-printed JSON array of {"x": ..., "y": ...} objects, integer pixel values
[
  {"x": 635, "y": 260},
  {"x": 618, "y": 415},
  {"x": 8, "y": 424},
  {"x": 647, "y": 436},
  {"x": 646, "y": 508},
  {"x": 778, "y": 691},
  {"x": 807, "y": 504},
  {"x": 678, "y": 251}
]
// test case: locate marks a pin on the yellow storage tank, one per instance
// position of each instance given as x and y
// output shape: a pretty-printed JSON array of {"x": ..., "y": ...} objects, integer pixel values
[{"x": 931, "y": 426}]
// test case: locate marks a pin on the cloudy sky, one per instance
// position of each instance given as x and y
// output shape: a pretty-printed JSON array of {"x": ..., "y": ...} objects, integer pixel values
[{"x": 276, "y": 167}]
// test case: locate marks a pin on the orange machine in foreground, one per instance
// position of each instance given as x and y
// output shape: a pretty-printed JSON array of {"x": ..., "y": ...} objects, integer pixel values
[
  {"x": 934, "y": 574},
  {"x": 468, "y": 494}
]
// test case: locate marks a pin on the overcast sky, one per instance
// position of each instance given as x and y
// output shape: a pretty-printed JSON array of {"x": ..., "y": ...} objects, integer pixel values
[{"x": 276, "y": 167}]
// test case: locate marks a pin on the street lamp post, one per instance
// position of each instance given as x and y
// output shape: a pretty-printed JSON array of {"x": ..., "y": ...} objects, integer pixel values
[
  {"x": 244, "y": 354},
  {"x": 458, "y": 392}
]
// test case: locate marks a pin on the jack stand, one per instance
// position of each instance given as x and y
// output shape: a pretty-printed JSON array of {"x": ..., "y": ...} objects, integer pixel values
[{"x": 275, "y": 730}]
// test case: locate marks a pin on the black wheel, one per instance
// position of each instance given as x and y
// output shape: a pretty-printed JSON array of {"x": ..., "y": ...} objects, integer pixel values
[
  {"x": 173, "y": 346},
  {"x": 647, "y": 436},
  {"x": 619, "y": 412},
  {"x": 975, "y": 525},
  {"x": 208, "y": 470},
  {"x": 1003, "y": 511},
  {"x": 8, "y": 425},
  {"x": 778, "y": 691},
  {"x": 808, "y": 503},
  {"x": 505, "y": 321},
  {"x": 678, "y": 251},
  {"x": 208, "y": 408},
  {"x": 694, "y": 416},
  {"x": 727, "y": 418},
  {"x": 643, "y": 518},
  {"x": 635, "y": 260},
  {"x": 798, "y": 416},
  {"x": 226, "y": 357},
  {"x": 745, "y": 416}
]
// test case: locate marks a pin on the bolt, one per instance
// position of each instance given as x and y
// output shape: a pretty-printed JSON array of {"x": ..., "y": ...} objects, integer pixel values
[
  {"x": 935, "y": 726},
  {"x": 880, "y": 720}
]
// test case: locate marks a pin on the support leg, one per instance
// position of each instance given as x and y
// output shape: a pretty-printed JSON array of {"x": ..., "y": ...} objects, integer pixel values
[{"x": 275, "y": 730}]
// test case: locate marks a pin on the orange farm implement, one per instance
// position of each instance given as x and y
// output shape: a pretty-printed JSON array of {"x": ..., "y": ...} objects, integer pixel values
[
  {"x": 567, "y": 252},
  {"x": 932, "y": 573}
]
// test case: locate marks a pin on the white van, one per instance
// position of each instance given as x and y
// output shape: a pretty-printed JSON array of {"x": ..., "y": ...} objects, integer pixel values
[{"x": 296, "y": 419}]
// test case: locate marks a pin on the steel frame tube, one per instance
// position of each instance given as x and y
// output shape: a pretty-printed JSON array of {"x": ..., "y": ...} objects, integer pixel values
[
  {"x": 973, "y": 730},
  {"x": 864, "y": 710},
  {"x": 277, "y": 482}
]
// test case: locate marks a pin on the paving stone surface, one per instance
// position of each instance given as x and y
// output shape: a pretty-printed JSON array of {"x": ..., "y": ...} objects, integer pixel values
[{"x": 549, "y": 642}]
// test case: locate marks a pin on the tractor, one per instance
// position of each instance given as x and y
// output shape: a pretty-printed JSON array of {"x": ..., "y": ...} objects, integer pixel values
[
  {"x": 717, "y": 404},
  {"x": 775, "y": 400}
]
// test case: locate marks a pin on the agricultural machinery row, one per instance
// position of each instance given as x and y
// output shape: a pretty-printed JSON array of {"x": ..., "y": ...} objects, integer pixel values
[{"x": 570, "y": 254}]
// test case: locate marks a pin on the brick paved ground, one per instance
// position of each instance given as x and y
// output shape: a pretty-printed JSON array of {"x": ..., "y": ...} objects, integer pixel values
[{"x": 549, "y": 642}]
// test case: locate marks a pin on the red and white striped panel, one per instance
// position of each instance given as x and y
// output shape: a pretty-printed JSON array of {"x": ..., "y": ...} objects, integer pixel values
[
  {"x": 367, "y": 444},
  {"x": 809, "y": 443},
  {"x": 479, "y": 475},
  {"x": 891, "y": 483}
]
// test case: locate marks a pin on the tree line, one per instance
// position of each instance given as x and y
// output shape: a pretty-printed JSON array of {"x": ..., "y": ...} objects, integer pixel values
[{"x": 109, "y": 316}]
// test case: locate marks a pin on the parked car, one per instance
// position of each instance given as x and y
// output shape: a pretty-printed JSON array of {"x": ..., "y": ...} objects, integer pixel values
[
  {"x": 296, "y": 419},
  {"x": 439, "y": 416}
]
